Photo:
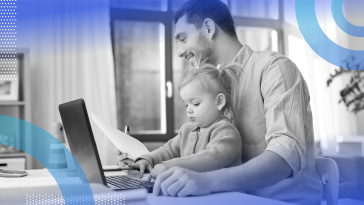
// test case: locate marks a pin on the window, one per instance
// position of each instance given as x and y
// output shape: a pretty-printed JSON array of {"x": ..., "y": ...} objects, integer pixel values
[
  {"x": 148, "y": 70},
  {"x": 139, "y": 57},
  {"x": 178, "y": 3},
  {"x": 259, "y": 39},
  {"x": 157, "y": 5},
  {"x": 255, "y": 8}
]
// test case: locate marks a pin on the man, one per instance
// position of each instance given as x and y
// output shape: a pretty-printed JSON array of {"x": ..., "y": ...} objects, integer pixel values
[{"x": 273, "y": 114}]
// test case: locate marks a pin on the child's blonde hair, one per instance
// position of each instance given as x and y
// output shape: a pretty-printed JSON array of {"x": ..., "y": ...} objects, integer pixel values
[{"x": 215, "y": 80}]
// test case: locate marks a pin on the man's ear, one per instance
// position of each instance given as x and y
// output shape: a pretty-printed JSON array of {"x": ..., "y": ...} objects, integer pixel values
[
  {"x": 220, "y": 101},
  {"x": 209, "y": 27}
]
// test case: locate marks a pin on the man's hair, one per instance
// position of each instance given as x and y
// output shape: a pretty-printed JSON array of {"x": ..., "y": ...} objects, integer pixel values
[
  {"x": 214, "y": 81},
  {"x": 197, "y": 11}
]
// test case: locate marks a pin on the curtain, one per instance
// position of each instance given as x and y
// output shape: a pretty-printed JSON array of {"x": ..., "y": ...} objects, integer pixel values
[{"x": 71, "y": 57}]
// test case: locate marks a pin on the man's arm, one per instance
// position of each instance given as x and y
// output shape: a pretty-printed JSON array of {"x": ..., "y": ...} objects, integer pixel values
[
  {"x": 287, "y": 112},
  {"x": 264, "y": 170}
]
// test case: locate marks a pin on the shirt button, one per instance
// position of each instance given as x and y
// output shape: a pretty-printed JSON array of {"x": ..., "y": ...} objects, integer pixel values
[{"x": 193, "y": 137}]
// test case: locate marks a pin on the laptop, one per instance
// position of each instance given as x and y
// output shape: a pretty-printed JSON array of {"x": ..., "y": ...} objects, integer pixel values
[{"x": 83, "y": 147}]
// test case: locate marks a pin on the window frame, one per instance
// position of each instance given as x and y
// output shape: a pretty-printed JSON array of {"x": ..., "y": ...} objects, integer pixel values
[{"x": 166, "y": 18}]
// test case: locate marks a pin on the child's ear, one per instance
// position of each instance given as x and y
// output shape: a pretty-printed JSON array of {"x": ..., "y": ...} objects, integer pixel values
[{"x": 220, "y": 101}]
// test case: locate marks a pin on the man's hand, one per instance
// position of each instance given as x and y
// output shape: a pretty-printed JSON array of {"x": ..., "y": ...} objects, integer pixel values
[
  {"x": 182, "y": 182},
  {"x": 159, "y": 168},
  {"x": 142, "y": 165}
]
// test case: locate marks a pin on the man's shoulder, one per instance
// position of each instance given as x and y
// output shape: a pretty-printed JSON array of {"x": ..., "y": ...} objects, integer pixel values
[
  {"x": 258, "y": 60},
  {"x": 268, "y": 56},
  {"x": 265, "y": 61}
]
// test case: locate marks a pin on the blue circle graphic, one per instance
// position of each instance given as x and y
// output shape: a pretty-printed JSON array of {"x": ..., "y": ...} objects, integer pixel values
[
  {"x": 317, "y": 39},
  {"x": 39, "y": 149},
  {"x": 342, "y": 22}
]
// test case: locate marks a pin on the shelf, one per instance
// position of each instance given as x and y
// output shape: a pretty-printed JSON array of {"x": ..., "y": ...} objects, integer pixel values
[
  {"x": 17, "y": 154},
  {"x": 20, "y": 108},
  {"x": 11, "y": 103}
]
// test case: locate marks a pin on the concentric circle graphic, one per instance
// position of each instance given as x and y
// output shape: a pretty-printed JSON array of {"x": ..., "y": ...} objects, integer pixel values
[
  {"x": 342, "y": 22},
  {"x": 317, "y": 39}
]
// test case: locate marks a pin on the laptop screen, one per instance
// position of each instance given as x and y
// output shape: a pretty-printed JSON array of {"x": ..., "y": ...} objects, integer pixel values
[{"x": 81, "y": 140}]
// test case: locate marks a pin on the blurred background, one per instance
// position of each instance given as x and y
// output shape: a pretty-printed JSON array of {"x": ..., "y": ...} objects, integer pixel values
[{"x": 120, "y": 56}]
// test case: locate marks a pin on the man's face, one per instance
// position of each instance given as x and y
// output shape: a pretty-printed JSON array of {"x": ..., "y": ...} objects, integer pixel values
[
  {"x": 200, "y": 105},
  {"x": 191, "y": 42}
]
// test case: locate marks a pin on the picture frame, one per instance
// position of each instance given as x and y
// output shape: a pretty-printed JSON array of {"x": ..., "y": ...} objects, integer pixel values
[
  {"x": 8, "y": 143},
  {"x": 9, "y": 90}
]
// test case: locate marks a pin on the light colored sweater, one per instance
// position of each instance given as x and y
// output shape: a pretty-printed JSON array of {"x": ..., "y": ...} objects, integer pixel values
[{"x": 216, "y": 147}]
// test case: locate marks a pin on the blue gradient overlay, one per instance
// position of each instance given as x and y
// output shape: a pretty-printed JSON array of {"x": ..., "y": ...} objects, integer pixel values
[
  {"x": 317, "y": 39},
  {"x": 36, "y": 142},
  {"x": 46, "y": 25},
  {"x": 345, "y": 25},
  {"x": 72, "y": 13}
]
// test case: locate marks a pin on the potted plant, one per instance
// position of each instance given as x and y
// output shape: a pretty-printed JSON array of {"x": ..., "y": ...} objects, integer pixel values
[{"x": 353, "y": 93}]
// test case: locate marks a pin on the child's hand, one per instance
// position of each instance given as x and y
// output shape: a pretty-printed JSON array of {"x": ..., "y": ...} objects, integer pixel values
[
  {"x": 159, "y": 168},
  {"x": 142, "y": 165}
]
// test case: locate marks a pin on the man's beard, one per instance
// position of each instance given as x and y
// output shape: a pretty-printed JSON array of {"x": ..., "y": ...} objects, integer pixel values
[{"x": 202, "y": 52}]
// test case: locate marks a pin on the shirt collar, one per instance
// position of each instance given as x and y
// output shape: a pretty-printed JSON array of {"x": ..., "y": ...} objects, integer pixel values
[{"x": 243, "y": 55}]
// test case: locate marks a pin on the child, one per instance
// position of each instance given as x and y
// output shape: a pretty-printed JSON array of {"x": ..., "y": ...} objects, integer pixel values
[{"x": 209, "y": 141}]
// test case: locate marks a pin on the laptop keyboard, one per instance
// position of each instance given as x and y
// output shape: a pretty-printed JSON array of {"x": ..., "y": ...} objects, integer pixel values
[{"x": 124, "y": 182}]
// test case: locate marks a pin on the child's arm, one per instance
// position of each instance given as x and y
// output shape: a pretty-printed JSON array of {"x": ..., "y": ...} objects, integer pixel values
[
  {"x": 169, "y": 151},
  {"x": 224, "y": 148},
  {"x": 146, "y": 162}
]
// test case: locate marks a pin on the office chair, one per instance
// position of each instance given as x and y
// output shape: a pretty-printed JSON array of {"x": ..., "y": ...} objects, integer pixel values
[{"x": 329, "y": 174}]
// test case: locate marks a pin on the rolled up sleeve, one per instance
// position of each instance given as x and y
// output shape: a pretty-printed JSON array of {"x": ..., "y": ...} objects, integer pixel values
[{"x": 285, "y": 101}]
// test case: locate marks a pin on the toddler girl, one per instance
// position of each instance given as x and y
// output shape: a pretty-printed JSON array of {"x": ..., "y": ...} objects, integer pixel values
[{"x": 208, "y": 141}]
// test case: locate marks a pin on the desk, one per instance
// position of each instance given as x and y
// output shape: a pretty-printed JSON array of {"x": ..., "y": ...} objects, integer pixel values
[
  {"x": 351, "y": 145},
  {"x": 17, "y": 194}
]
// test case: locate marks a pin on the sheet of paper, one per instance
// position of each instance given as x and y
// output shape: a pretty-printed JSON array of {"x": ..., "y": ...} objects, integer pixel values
[{"x": 122, "y": 141}]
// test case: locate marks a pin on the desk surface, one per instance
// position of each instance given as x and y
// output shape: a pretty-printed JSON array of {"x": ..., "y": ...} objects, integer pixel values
[{"x": 14, "y": 192}]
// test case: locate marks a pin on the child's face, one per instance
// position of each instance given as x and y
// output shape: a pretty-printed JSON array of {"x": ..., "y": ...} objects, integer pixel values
[{"x": 201, "y": 106}]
